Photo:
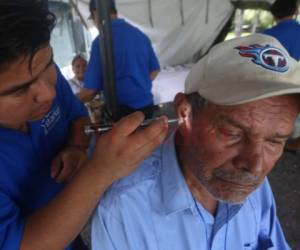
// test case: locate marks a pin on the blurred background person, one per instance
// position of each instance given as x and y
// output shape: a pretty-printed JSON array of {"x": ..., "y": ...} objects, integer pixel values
[
  {"x": 79, "y": 64},
  {"x": 136, "y": 66},
  {"x": 287, "y": 32},
  {"x": 287, "y": 29}
]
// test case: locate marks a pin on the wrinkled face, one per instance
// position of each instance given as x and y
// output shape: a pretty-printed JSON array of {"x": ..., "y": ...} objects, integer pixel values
[
  {"x": 24, "y": 95},
  {"x": 230, "y": 150},
  {"x": 79, "y": 67}
]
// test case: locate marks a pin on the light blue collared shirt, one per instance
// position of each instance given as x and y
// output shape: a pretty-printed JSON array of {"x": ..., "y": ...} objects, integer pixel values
[{"x": 153, "y": 209}]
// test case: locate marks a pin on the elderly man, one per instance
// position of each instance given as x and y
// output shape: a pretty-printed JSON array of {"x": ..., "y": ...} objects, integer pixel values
[{"x": 206, "y": 186}]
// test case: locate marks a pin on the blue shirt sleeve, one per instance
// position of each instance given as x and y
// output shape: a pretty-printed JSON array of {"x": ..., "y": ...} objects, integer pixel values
[
  {"x": 71, "y": 105},
  {"x": 11, "y": 224},
  {"x": 153, "y": 63},
  {"x": 93, "y": 74}
]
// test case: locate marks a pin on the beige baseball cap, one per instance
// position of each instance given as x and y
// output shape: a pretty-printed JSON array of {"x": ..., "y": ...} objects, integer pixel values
[{"x": 243, "y": 70}]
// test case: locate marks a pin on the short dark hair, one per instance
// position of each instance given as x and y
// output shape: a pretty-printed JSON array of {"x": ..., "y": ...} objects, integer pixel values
[
  {"x": 284, "y": 8},
  {"x": 197, "y": 102},
  {"x": 25, "y": 27},
  {"x": 75, "y": 58},
  {"x": 113, "y": 9}
]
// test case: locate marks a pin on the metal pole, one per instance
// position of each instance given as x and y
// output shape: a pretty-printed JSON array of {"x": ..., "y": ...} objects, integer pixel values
[
  {"x": 78, "y": 13},
  {"x": 150, "y": 13},
  {"x": 181, "y": 12},
  {"x": 106, "y": 48},
  {"x": 207, "y": 11}
]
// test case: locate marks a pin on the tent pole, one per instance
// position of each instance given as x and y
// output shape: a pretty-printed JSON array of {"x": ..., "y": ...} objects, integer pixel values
[
  {"x": 108, "y": 69},
  {"x": 78, "y": 13},
  {"x": 150, "y": 13},
  {"x": 207, "y": 11},
  {"x": 181, "y": 12}
]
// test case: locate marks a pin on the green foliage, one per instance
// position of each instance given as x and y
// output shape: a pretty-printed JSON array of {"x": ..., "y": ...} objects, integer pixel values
[{"x": 265, "y": 18}]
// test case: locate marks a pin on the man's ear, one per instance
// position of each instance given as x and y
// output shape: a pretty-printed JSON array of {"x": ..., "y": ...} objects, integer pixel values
[{"x": 184, "y": 113}]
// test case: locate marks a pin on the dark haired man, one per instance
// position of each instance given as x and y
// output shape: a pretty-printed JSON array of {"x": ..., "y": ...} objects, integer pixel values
[
  {"x": 205, "y": 188},
  {"x": 287, "y": 30},
  {"x": 136, "y": 65},
  {"x": 42, "y": 143}
]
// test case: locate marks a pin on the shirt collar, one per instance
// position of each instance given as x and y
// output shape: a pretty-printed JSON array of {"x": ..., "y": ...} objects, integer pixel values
[
  {"x": 118, "y": 20},
  {"x": 176, "y": 195},
  {"x": 287, "y": 21}
]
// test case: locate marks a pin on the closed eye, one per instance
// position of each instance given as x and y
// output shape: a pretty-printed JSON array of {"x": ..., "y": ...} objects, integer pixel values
[
  {"x": 230, "y": 135},
  {"x": 21, "y": 91}
]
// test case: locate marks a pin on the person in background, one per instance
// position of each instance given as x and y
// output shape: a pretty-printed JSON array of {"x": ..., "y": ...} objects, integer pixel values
[
  {"x": 206, "y": 186},
  {"x": 287, "y": 29},
  {"x": 48, "y": 189},
  {"x": 136, "y": 65},
  {"x": 79, "y": 64}
]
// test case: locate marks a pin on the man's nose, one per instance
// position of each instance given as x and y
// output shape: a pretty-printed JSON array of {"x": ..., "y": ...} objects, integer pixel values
[
  {"x": 250, "y": 158},
  {"x": 44, "y": 91}
]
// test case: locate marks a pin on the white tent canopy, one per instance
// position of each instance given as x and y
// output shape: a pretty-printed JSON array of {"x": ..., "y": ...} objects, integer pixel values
[
  {"x": 177, "y": 28},
  {"x": 179, "y": 31}
]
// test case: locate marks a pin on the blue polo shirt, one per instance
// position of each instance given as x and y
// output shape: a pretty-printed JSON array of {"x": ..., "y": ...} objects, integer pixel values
[
  {"x": 287, "y": 32},
  {"x": 153, "y": 209},
  {"x": 25, "y": 182},
  {"x": 134, "y": 59}
]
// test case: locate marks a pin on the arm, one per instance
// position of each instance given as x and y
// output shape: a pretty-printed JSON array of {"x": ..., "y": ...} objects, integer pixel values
[
  {"x": 70, "y": 158},
  {"x": 154, "y": 74},
  {"x": 86, "y": 95},
  {"x": 154, "y": 66},
  {"x": 73, "y": 155},
  {"x": 116, "y": 154},
  {"x": 93, "y": 76}
]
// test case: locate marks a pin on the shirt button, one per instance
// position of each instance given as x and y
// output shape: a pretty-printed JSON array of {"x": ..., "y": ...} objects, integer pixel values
[{"x": 155, "y": 163}]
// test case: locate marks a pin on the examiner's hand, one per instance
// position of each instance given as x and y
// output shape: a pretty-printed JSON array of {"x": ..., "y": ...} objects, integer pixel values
[
  {"x": 66, "y": 163},
  {"x": 120, "y": 150}
]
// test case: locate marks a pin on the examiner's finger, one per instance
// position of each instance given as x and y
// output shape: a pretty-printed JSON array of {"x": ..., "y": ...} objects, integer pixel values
[
  {"x": 154, "y": 132},
  {"x": 141, "y": 143},
  {"x": 56, "y": 166},
  {"x": 128, "y": 124},
  {"x": 66, "y": 171}
]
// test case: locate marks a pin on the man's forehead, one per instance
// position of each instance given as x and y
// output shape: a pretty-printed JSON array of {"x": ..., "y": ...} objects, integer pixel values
[
  {"x": 41, "y": 57},
  {"x": 20, "y": 70},
  {"x": 263, "y": 103},
  {"x": 285, "y": 108}
]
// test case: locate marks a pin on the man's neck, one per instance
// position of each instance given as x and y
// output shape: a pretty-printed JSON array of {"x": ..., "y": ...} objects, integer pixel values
[
  {"x": 198, "y": 191},
  {"x": 285, "y": 19},
  {"x": 80, "y": 79},
  {"x": 19, "y": 127},
  {"x": 113, "y": 16}
]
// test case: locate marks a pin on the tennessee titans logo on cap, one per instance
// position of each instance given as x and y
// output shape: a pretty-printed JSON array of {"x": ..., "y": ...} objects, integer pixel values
[{"x": 266, "y": 56}]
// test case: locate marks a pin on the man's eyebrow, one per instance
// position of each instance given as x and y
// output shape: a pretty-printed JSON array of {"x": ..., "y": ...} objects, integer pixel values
[
  {"x": 28, "y": 83},
  {"x": 284, "y": 137},
  {"x": 230, "y": 121}
]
